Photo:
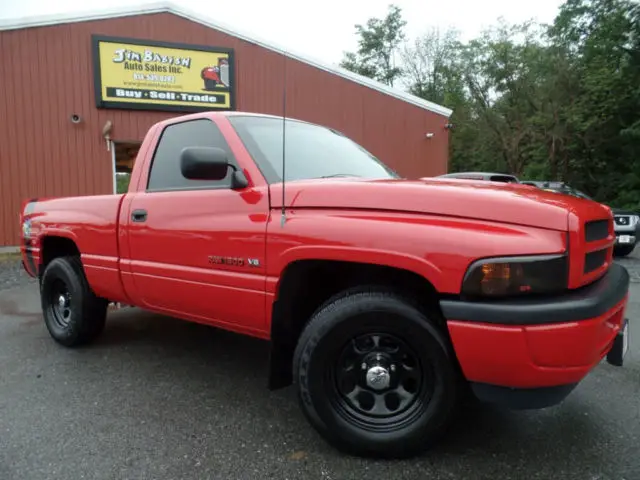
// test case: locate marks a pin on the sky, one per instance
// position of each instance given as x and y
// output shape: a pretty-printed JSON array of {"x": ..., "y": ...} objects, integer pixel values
[{"x": 323, "y": 29}]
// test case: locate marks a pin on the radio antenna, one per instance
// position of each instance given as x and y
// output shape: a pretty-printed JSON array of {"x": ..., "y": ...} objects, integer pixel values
[{"x": 284, "y": 122}]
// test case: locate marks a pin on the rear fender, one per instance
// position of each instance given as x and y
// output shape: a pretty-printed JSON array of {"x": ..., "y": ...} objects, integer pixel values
[{"x": 91, "y": 223}]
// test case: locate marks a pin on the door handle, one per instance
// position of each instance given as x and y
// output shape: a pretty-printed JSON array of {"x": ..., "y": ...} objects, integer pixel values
[{"x": 139, "y": 215}]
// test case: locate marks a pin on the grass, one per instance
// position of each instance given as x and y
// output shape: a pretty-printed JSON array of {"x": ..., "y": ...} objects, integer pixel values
[{"x": 9, "y": 257}]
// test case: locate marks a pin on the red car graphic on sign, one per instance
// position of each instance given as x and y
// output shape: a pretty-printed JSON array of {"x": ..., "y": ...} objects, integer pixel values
[{"x": 212, "y": 75}]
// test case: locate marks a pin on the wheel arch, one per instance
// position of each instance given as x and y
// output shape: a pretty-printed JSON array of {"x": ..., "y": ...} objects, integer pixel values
[
  {"x": 306, "y": 284},
  {"x": 362, "y": 256},
  {"x": 53, "y": 246},
  {"x": 84, "y": 313}
]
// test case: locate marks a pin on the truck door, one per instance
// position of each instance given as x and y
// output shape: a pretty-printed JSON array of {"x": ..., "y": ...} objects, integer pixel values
[{"x": 197, "y": 247}]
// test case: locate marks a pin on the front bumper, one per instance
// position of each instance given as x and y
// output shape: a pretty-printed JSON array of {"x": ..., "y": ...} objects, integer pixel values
[
  {"x": 625, "y": 239},
  {"x": 30, "y": 259},
  {"x": 530, "y": 353},
  {"x": 626, "y": 235}
]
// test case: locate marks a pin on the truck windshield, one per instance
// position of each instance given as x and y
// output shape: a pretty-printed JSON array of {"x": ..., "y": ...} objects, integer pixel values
[
  {"x": 312, "y": 151},
  {"x": 573, "y": 192},
  {"x": 580, "y": 194}
]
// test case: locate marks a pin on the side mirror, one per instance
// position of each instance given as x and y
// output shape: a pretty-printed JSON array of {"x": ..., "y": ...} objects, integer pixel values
[
  {"x": 209, "y": 163},
  {"x": 203, "y": 163}
]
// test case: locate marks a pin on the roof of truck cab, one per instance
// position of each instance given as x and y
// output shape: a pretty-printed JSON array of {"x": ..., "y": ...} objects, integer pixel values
[
  {"x": 230, "y": 113},
  {"x": 198, "y": 17}
]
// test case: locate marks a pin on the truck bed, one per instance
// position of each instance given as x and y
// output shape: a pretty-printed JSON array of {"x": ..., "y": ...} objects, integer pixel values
[{"x": 91, "y": 222}]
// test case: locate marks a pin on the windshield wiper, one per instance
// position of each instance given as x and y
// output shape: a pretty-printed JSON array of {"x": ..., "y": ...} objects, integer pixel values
[{"x": 340, "y": 175}]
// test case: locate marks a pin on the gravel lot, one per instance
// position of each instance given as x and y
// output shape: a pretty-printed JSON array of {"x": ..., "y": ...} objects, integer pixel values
[
  {"x": 12, "y": 274},
  {"x": 159, "y": 398}
]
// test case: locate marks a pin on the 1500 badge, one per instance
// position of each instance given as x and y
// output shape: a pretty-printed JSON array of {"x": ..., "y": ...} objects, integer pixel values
[{"x": 233, "y": 261}]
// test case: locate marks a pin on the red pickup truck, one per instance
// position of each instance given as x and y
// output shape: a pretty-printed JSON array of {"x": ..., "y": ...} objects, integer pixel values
[{"x": 385, "y": 300}]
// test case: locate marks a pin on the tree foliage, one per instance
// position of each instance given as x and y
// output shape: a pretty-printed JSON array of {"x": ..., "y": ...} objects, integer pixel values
[
  {"x": 378, "y": 42},
  {"x": 552, "y": 102}
]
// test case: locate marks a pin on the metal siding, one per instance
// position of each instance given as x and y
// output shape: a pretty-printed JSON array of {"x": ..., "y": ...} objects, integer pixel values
[{"x": 48, "y": 76}]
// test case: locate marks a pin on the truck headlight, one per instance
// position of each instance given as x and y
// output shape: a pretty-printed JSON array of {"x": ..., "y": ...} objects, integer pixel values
[
  {"x": 511, "y": 276},
  {"x": 26, "y": 229}
]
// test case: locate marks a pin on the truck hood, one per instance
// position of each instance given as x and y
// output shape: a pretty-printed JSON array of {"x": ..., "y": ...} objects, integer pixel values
[
  {"x": 620, "y": 211},
  {"x": 492, "y": 201}
]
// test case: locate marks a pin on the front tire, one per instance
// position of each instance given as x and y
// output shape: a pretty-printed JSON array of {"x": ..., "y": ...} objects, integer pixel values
[
  {"x": 375, "y": 375},
  {"x": 73, "y": 314}
]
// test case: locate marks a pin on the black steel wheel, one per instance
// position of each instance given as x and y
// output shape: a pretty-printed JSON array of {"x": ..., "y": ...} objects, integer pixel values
[
  {"x": 59, "y": 303},
  {"x": 375, "y": 375},
  {"x": 73, "y": 314},
  {"x": 378, "y": 381}
]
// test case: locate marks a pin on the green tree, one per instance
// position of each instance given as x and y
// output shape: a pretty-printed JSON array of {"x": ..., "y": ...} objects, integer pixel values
[
  {"x": 429, "y": 67},
  {"x": 502, "y": 74},
  {"x": 432, "y": 67},
  {"x": 602, "y": 35},
  {"x": 543, "y": 102},
  {"x": 122, "y": 182},
  {"x": 378, "y": 44}
]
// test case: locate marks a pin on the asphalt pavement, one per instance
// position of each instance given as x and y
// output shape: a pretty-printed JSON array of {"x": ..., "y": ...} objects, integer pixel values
[{"x": 158, "y": 398}]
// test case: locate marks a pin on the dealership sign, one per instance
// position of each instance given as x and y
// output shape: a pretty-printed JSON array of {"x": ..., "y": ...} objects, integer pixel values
[{"x": 149, "y": 75}]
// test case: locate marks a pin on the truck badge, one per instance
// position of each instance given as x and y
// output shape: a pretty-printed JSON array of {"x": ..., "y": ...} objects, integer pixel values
[{"x": 233, "y": 261}]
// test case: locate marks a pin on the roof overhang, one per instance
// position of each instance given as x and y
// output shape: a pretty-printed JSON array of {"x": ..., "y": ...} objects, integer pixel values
[{"x": 197, "y": 17}]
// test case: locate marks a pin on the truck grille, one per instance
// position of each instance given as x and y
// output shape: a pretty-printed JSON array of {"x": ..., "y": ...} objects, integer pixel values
[
  {"x": 594, "y": 260},
  {"x": 593, "y": 243},
  {"x": 596, "y": 230}
]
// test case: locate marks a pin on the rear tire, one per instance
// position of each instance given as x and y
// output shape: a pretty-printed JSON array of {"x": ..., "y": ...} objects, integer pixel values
[
  {"x": 73, "y": 314},
  {"x": 358, "y": 337}
]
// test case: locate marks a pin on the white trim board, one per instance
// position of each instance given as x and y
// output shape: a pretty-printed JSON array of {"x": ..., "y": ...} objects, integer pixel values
[{"x": 170, "y": 7}]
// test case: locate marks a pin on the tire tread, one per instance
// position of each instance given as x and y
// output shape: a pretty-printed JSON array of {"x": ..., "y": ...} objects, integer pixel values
[
  {"x": 317, "y": 326},
  {"x": 93, "y": 308}
]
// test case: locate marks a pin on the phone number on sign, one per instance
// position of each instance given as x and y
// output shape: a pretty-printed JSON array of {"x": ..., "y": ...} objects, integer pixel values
[{"x": 154, "y": 78}]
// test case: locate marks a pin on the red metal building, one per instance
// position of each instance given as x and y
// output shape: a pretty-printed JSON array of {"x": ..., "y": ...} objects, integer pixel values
[{"x": 64, "y": 132}]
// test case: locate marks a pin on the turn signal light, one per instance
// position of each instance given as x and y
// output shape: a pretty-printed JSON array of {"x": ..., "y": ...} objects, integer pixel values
[{"x": 500, "y": 277}]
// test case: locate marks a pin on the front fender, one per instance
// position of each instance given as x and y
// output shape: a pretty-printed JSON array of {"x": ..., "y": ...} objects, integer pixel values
[
  {"x": 438, "y": 249},
  {"x": 403, "y": 261}
]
